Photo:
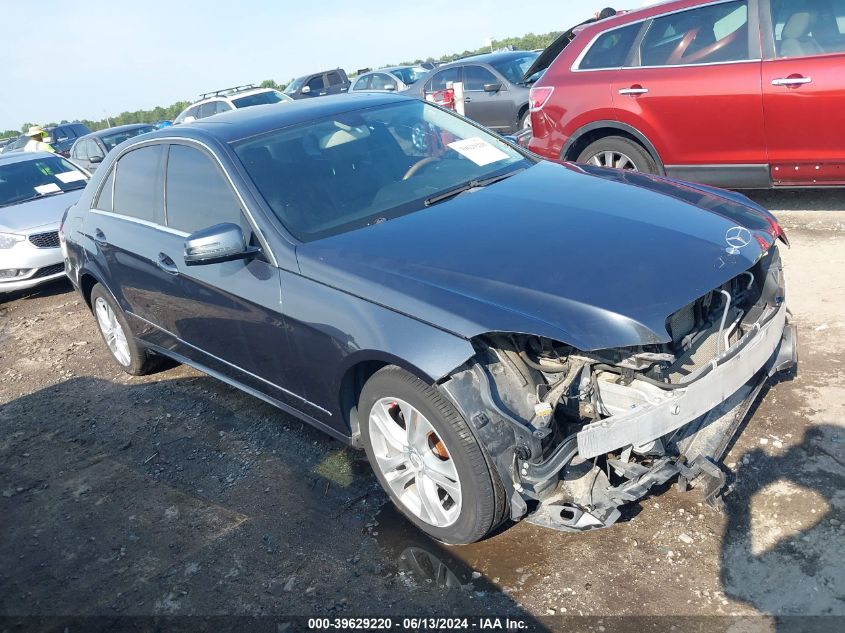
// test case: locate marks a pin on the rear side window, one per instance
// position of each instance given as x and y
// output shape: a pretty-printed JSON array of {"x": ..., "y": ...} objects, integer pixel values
[
  {"x": 334, "y": 79},
  {"x": 137, "y": 187},
  {"x": 198, "y": 195},
  {"x": 611, "y": 49},
  {"x": 441, "y": 80},
  {"x": 104, "y": 198},
  {"x": 708, "y": 35}
]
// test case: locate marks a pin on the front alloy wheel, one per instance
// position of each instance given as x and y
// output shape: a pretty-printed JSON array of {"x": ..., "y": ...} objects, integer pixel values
[
  {"x": 427, "y": 458},
  {"x": 415, "y": 462}
]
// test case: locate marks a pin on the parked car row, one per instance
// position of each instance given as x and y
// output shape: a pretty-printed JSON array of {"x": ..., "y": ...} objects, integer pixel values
[{"x": 61, "y": 138}]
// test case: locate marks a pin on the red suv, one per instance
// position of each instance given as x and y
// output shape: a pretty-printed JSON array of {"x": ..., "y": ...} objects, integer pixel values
[{"x": 734, "y": 93}]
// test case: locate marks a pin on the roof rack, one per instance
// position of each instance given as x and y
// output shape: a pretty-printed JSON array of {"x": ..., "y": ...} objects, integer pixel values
[{"x": 227, "y": 91}]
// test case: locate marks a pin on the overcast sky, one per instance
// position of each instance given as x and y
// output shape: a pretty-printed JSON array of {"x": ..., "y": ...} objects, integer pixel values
[{"x": 72, "y": 59}]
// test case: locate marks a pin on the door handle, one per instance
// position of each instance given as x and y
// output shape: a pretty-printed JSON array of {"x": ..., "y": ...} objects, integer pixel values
[
  {"x": 634, "y": 90},
  {"x": 166, "y": 264},
  {"x": 100, "y": 237},
  {"x": 467, "y": 99},
  {"x": 792, "y": 81}
]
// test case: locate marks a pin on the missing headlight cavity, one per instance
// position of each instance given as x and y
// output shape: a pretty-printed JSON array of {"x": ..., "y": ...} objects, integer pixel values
[{"x": 607, "y": 425}]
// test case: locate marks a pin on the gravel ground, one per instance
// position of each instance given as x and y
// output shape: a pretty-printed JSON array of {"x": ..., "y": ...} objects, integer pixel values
[{"x": 175, "y": 494}]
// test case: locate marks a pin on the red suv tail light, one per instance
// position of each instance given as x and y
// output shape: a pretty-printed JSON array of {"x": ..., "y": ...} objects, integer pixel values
[{"x": 538, "y": 97}]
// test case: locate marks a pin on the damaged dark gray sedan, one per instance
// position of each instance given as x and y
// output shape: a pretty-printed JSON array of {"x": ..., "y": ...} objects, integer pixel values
[{"x": 507, "y": 338}]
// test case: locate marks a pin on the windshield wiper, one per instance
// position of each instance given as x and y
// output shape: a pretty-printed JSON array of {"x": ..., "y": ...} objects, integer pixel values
[{"x": 472, "y": 184}]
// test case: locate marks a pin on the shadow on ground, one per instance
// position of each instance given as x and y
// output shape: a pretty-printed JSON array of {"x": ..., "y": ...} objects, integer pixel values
[{"x": 185, "y": 497}]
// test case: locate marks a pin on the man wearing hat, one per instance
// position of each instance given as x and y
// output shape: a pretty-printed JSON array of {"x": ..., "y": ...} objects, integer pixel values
[{"x": 36, "y": 140}]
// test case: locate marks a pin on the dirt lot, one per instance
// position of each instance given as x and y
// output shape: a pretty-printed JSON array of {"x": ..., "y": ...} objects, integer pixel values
[{"x": 175, "y": 494}]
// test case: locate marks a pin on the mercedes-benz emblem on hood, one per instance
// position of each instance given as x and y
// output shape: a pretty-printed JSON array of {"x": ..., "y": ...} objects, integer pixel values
[{"x": 737, "y": 237}]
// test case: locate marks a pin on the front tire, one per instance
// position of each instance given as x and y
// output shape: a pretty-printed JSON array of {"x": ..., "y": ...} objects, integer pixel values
[
  {"x": 619, "y": 153},
  {"x": 131, "y": 357},
  {"x": 427, "y": 459}
]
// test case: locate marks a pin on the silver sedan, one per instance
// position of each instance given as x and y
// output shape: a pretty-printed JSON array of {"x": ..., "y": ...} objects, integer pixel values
[{"x": 35, "y": 190}]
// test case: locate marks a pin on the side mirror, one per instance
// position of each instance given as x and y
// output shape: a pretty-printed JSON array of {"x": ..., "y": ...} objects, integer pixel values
[
  {"x": 305, "y": 90},
  {"x": 219, "y": 243},
  {"x": 390, "y": 87},
  {"x": 95, "y": 159},
  {"x": 492, "y": 87},
  {"x": 189, "y": 119}
]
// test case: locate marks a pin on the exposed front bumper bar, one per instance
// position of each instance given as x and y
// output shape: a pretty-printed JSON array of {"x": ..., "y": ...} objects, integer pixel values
[{"x": 668, "y": 411}]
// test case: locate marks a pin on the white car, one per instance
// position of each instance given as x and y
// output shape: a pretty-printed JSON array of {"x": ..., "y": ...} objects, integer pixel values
[
  {"x": 227, "y": 99},
  {"x": 35, "y": 190}
]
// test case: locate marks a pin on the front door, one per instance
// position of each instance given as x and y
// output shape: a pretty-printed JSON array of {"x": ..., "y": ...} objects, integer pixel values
[
  {"x": 491, "y": 107},
  {"x": 692, "y": 87},
  {"x": 225, "y": 315},
  {"x": 804, "y": 92}
]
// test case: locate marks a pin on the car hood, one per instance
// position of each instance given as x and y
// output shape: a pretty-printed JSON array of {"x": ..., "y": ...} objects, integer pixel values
[
  {"x": 593, "y": 257},
  {"x": 20, "y": 218}
]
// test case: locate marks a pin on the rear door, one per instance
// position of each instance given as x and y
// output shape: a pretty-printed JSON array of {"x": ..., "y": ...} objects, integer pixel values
[
  {"x": 804, "y": 91},
  {"x": 692, "y": 87},
  {"x": 225, "y": 315},
  {"x": 335, "y": 83},
  {"x": 493, "y": 108},
  {"x": 127, "y": 227}
]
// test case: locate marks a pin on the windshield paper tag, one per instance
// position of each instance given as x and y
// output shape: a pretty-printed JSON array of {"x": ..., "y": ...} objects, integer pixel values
[
  {"x": 50, "y": 187},
  {"x": 478, "y": 151},
  {"x": 70, "y": 176}
]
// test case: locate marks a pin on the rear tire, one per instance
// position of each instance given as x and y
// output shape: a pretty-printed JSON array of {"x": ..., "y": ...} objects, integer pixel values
[
  {"x": 619, "y": 153},
  {"x": 427, "y": 459},
  {"x": 124, "y": 349}
]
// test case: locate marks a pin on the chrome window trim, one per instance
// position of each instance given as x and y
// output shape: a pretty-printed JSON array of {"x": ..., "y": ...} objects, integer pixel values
[
  {"x": 232, "y": 365},
  {"x": 147, "y": 223},
  {"x": 575, "y": 65},
  {"x": 189, "y": 141}
]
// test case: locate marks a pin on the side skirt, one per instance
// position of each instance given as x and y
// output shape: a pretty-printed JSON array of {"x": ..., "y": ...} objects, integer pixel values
[{"x": 726, "y": 176}]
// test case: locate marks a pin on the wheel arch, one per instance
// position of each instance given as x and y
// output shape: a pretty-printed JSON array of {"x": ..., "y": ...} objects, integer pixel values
[
  {"x": 356, "y": 374},
  {"x": 598, "y": 130}
]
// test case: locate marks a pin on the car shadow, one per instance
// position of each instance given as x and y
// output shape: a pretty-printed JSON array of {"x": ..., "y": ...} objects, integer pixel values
[
  {"x": 783, "y": 548},
  {"x": 798, "y": 199},
  {"x": 49, "y": 289},
  {"x": 176, "y": 496}
]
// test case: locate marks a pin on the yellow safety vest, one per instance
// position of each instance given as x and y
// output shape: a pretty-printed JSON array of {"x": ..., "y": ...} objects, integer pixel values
[{"x": 38, "y": 146}]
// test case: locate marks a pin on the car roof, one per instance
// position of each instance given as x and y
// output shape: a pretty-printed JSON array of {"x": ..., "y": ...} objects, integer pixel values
[
  {"x": 22, "y": 157},
  {"x": 242, "y": 123},
  {"x": 116, "y": 129},
  {"x": 230, "y": 97},
  {"x": 486, "y": 58}
]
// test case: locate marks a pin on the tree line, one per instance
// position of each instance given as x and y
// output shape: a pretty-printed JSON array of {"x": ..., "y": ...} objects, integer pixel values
[{"x": 529, "y": 42}]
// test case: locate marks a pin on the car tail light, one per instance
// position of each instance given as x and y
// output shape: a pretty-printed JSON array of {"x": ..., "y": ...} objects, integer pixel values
[{"x": 538, "y": 97}]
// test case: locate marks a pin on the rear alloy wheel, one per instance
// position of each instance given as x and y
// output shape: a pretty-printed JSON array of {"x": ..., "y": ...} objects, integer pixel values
[
  {"x": 427, "y": 459},
  {"x": 132, "y": 358},
  {"x": 619, "y": 153}
]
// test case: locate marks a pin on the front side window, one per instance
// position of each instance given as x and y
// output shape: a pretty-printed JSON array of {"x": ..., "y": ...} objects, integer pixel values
[
  {"x": 476, "y": 77},
  {"x": 611, "y": 49},
  {"x": 355, "y": 169},
  {"x": 410, "y": 75},
  {"x": 25, "y": 180},
  {"x": 514, "y": 68},
  {"x": 441, "y": 80},
  {"x": 79, "y": 151},
  {"x": 316, "y": 83},
  {"x": 808, "y": 27},
  {"x": 198, "y": 195},
  {"x": 113, "y": 140},
  {"x": 712, "y": 34},
  {"x": 137, "y": 187}
]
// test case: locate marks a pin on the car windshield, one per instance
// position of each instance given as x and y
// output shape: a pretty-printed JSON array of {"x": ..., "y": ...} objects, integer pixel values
[
  {"x": 410, "y": 74},
  {"x": 260, "y": 98},
  {"x": 369, "y": 166},
  {"x": 113, "y": 140},
  {"x": 513, "y": 68},
  {"x": 295, "y": 85},
  {"x": 25, "y": 180}
]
